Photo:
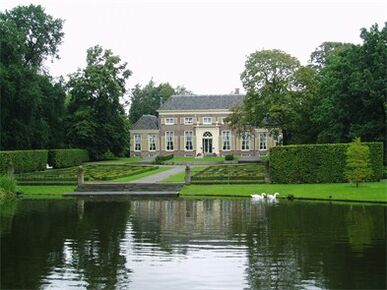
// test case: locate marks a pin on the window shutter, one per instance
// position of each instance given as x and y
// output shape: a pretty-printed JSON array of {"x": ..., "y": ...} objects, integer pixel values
[
  {"x": 162, "y": 144},
  {"x": 194, "y": 119},
  {"x": 181, "y": 120},
  {"x": 182, "y": 145},
  {"x": 162, "y": 121}
]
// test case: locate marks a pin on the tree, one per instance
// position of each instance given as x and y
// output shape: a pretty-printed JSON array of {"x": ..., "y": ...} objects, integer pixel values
[
  {"x": 358, "y": 167},
  {"x": 97, "y": 119},
  {"x": 268, "y": 79},
  {"x": 353, "y": 91},
  {"x": 321, "y": 55},
  {"x": 42, "y": 34},
  {"x": 147, "y": 100},
  {"x": 32, "y": 103}
]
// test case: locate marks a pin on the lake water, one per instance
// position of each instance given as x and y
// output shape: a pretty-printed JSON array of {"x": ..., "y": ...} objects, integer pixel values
[{"x": 191, "y": 244}]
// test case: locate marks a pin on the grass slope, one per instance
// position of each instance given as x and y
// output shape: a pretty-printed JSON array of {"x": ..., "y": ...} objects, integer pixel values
[{"x": 372, "y": 192}]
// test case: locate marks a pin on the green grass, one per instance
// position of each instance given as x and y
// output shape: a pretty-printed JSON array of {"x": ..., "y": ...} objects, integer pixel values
[
  {"x": 141, "y": 175},
  {"x": 121, "y": 160},
  {"x": 196, "y": 160},
  {"x": 95, "y": 172},
  {"x": 179, "y": 177},
  {"x": 371, "y": 192},
  {"x": 33, "y": 190}
]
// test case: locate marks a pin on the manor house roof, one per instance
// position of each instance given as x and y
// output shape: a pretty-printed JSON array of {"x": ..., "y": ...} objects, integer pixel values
[
  {"x": 202, "y": 102},
  {"x": 147, "y": 122}
]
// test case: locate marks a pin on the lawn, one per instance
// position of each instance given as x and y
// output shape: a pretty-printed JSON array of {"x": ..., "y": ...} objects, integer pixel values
[
  {"x": 45, "y": 190},
  {"x": 96, "y": 172},
  {"x": 121, "y": 160},
  {"x": 205, "y": 159},
  {"x": 179, "y": 177},
  {"x": 371, "y": 192},
  {"x": 231, "y": 173},
  {"x": 141, "y": 175}
]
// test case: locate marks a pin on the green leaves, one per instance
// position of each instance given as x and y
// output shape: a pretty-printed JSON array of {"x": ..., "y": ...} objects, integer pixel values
[{"x": 358, "y": 168}]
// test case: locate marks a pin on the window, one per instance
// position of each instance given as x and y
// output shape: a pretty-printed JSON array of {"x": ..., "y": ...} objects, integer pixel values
[
  {"x": 263, "y": 141},
  {"x": 137, "y": 142},
  {"x": 188, "y": 140},
  {"x": 169, "y": 121},
  {"x": 188, "y": 121},
  {"x": 169, "y": 141},
  {"x": 245, "y": 141},
  {"x": 152, "y": 142},
  {"x": 226, "y": 140},
  {"x": 207, "y": 120}
]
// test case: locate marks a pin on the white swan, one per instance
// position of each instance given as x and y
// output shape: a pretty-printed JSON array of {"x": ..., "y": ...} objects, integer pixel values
[
  {"x": 259, "y": 197},
  {"x": 272, "y": 198}
]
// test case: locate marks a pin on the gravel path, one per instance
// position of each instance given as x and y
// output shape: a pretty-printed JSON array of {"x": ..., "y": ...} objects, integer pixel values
[{"x": 160, "y": 176}]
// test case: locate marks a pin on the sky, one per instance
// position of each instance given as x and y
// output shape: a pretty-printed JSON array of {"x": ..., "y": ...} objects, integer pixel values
[{"x": 201, "y": 45}]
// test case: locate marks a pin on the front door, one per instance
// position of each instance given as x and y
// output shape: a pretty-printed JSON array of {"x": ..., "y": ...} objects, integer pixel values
[{"x": 207, "y": 146}]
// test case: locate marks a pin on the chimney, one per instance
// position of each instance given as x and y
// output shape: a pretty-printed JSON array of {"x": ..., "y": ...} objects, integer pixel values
[{"x": 237, "y": 91}]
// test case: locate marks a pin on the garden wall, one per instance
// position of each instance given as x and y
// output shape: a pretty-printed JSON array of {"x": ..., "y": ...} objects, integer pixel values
[{"x": 320, "y": 163}]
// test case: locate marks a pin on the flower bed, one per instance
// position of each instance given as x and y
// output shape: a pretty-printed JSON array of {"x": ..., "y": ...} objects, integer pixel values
[
  {"x": 99, "y": 172},
  {"x": 231, "y": 173}
]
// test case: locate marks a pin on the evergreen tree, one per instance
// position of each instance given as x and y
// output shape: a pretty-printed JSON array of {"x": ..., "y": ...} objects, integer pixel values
[{"x": 358, "y": 167}]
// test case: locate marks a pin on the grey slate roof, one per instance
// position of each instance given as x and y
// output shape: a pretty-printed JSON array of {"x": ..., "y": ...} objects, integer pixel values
[
  {"x": 147, "y": 122},
  {"x": 202, "y": 102}
]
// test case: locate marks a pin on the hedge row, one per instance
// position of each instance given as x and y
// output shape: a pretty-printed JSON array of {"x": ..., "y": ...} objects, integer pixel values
[
  {"x": 161, "y": 158},
  {"x": 36, "y": 160},
  {"x": 23, "y": 160},
  {"x": 320, "y": 163},
  {"x": 61, "y": 158}
]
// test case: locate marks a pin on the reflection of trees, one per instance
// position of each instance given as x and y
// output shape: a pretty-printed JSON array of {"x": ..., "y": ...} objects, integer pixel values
[{"x": 293, "y": 245}]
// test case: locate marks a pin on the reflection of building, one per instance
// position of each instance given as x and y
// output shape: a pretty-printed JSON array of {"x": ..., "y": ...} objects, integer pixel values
[{"x": 194, "y": 125}]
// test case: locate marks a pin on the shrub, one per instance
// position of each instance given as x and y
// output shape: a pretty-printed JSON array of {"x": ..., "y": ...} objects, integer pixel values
[
  {"x": 61, "y": 158},
  {"x": 229, "y": 157},
  {"x": 7, "y": 187},
  {"x": 358, "y": 168},
  {"x": 23, "y": 160},
  {"x": 318, "y": 163},
  {"x": 161, "y": 158}
]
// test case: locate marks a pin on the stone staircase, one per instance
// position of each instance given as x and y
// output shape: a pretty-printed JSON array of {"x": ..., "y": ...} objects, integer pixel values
[{"x": 158, "y": 189}]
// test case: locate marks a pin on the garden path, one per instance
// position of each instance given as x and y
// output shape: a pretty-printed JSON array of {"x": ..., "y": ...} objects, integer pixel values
[{"x": 161, "y": 176}]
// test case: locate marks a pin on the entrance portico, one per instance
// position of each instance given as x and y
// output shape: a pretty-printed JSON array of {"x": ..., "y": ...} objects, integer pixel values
[{"x": 207, "y": 140}]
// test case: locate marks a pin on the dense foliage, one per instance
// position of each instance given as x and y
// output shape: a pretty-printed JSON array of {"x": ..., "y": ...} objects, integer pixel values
[
  {"x": 23, "y": 160},
  {"x": 320, "y": 163},
  {"x": 161, "y": 158},
  {"x": 32, "y": 103},
  {"x": 147, "y": 100},
  {"x": 7, "y": 187},
  {"x": 97, "y": 119},
  {"x": 61, "y": 158},
  {"x": 358, "y": 168}
]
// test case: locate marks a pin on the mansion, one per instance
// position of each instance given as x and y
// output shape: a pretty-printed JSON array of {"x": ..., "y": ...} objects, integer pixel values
[{"x": 193, "y": 125}]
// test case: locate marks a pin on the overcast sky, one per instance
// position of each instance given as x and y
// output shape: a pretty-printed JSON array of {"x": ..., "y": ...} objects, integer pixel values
[{"x": 201, "y": 44}]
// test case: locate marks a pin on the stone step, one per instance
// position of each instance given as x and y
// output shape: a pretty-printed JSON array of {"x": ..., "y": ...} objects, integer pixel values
[{"x": 129, "y": 187}]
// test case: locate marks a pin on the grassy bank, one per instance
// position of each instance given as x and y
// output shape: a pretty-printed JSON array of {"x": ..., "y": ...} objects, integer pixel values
[{"x": 368, "y": 192}]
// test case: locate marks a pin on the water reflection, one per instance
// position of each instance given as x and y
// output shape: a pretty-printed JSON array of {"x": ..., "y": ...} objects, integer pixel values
[{"x": 191, "y": 244}]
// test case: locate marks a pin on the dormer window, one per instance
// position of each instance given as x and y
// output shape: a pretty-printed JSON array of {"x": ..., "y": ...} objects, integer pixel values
[
  {"x": 169, "y": 121},
  {"x": 207, "y": 120}
]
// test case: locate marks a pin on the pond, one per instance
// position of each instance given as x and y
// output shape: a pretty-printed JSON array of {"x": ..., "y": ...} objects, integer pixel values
[{"x": 191, "y": 244}]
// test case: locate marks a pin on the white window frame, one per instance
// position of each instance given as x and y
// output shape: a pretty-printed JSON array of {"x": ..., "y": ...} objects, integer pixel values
[
  {"x": 137, "y": 137},
  {"x": 209, "y": 120},
  {"x": 245, "y": 141},
  {"x": 169, "y": 121},
  {"x": 187, "y": 122},
  {"x": 224, "y": 148},
  {"x": 186, "y": 141},
  {"x": 151, "y": 137},
  {"x": 262, "y": 145},
  {"x": 172, "y": 136}
]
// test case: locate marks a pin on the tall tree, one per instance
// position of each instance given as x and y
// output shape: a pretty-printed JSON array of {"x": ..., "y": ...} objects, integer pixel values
[
  {"x": 148, "y": 99},
  {"x": 353, "y": 91},
  {"x": 97, "y": 119},
  {"x": 268, "y": 79},
  {"x": 29, "y": 96},
  {"x": 358, "y": 164},
  {"x": 321, "y": 54}
]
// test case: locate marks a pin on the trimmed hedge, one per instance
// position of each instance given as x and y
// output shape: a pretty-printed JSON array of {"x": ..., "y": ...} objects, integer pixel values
[
  {"x": 23, "y": 160},
  {"x": 61, "y": 158},
  {"x": 320, "y": 163},
  {"x": 161, "y": 158}
]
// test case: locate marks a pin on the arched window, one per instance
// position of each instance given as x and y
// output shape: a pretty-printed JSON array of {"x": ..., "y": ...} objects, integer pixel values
[{"x": 207, "y": 135}]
